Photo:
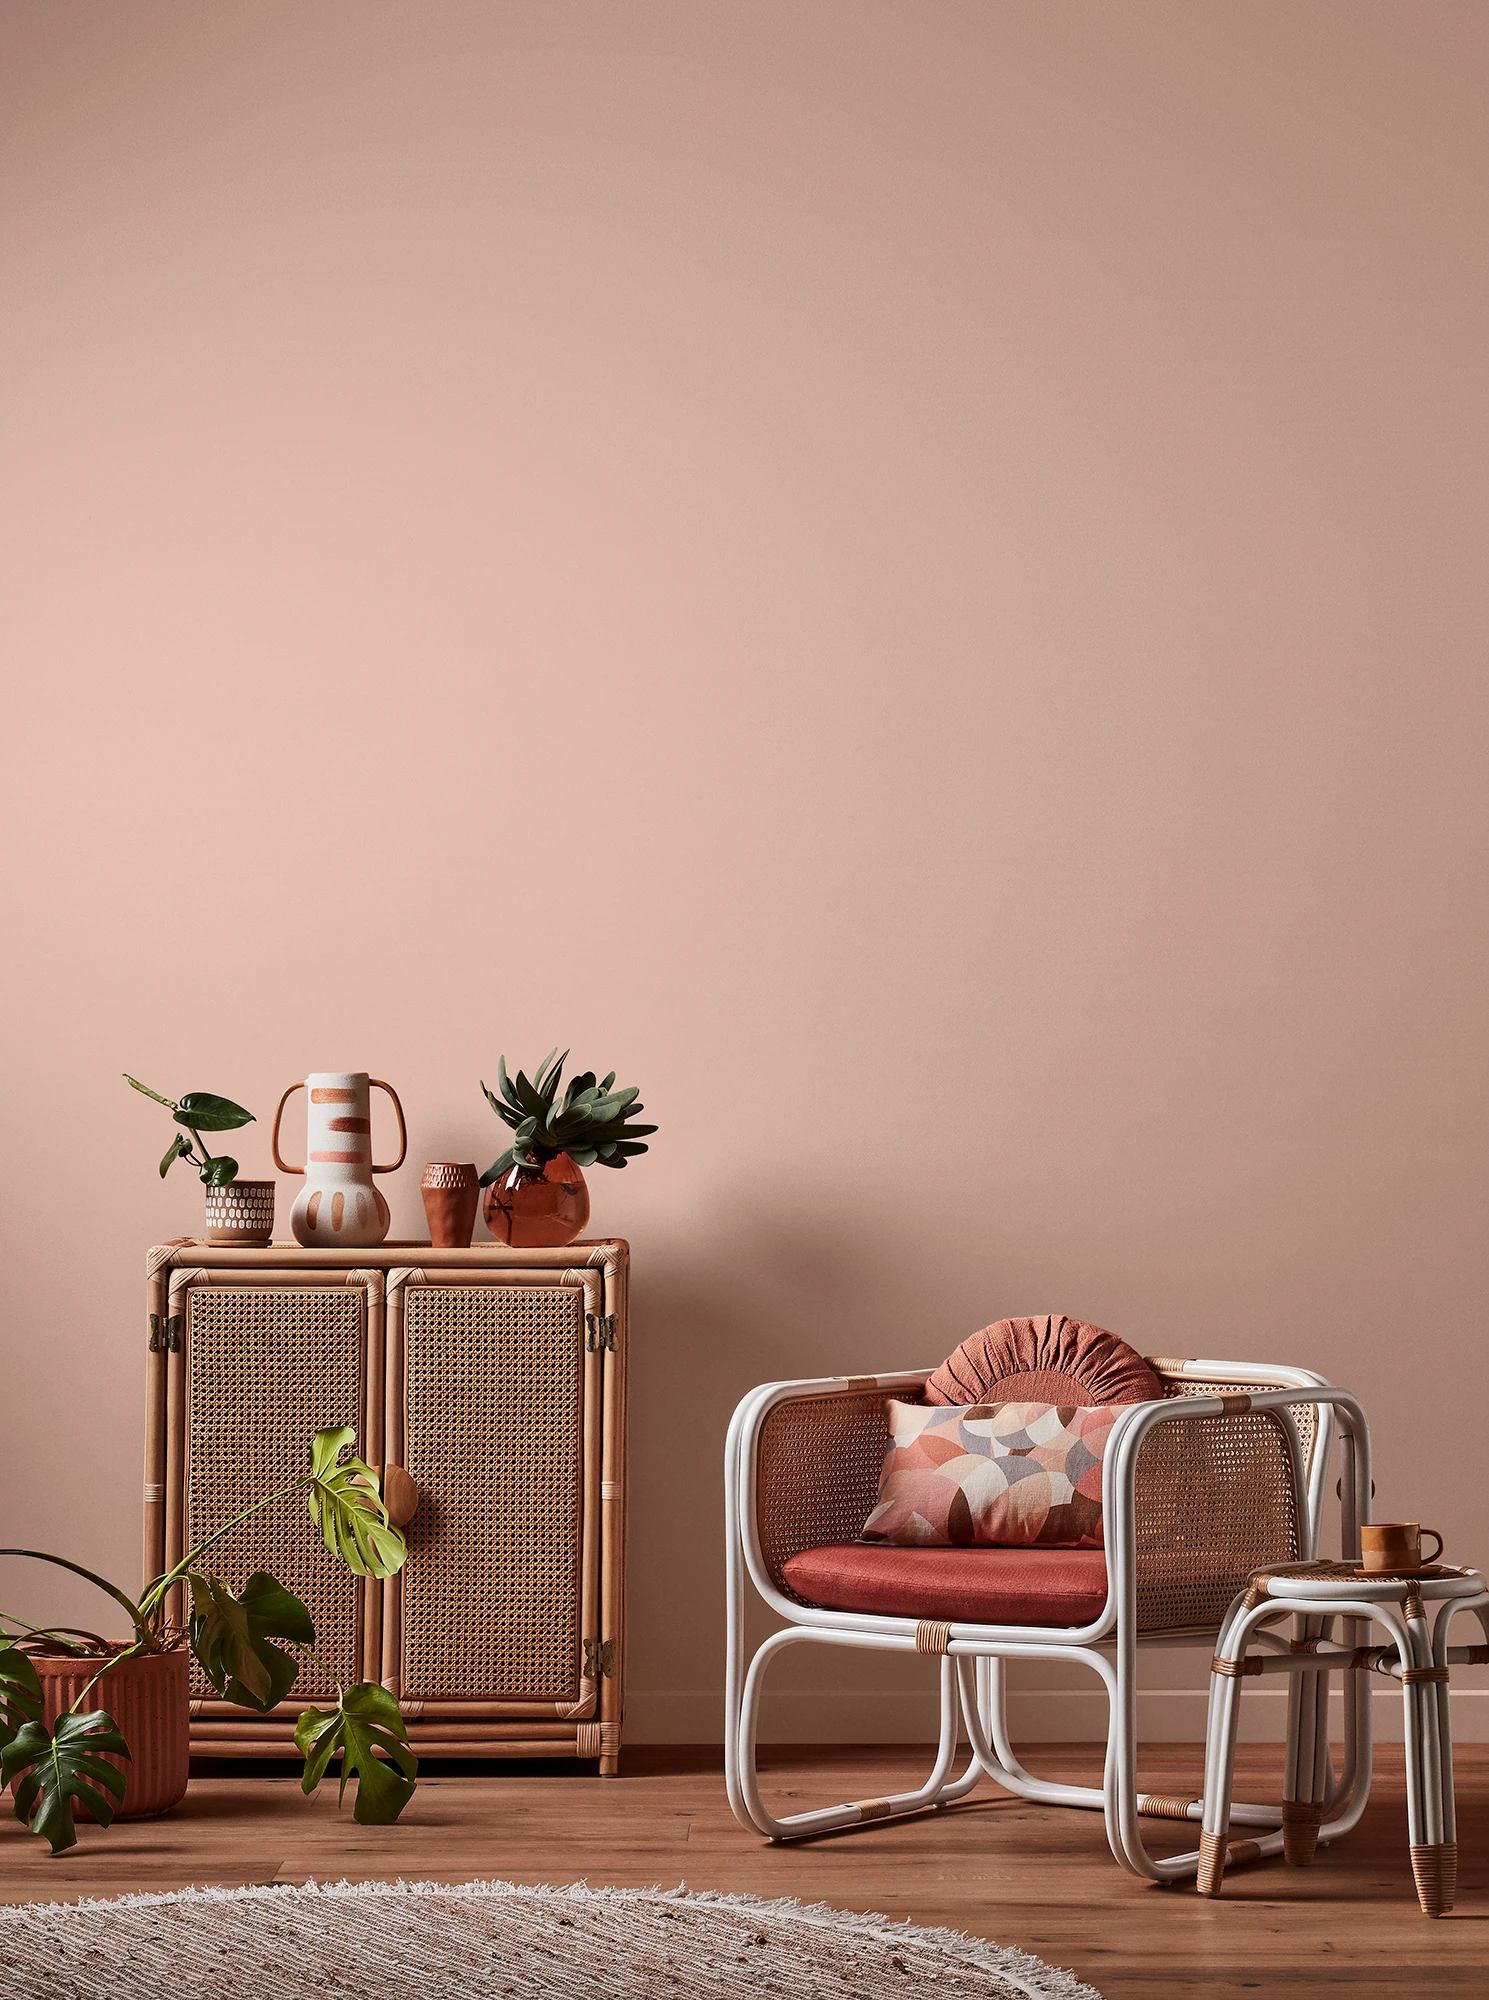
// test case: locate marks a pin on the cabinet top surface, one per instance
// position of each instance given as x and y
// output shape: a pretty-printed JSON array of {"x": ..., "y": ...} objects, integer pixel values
[{"x": 604, "y": 1250}]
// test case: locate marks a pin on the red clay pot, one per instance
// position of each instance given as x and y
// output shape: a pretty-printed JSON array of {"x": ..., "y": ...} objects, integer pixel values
[
  {"x": 147, "y": 1698},
  {"x": 538, "y": 1208}
]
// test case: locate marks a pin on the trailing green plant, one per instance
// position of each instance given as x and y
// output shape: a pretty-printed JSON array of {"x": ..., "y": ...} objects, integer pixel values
[
  {"x": 592, "y": 1123},
  {"x": 199, "y": 1111},
  {"x": 235, "y": 1637}
]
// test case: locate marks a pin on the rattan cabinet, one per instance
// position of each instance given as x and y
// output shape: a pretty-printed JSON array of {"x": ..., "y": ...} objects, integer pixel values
[{"x": 496, "y": 1378}]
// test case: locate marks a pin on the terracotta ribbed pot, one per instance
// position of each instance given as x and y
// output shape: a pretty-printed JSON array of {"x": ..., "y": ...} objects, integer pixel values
[
  {"x": 452, "y": 1194},
  {"x": 147, "y": 1698},
  {"x": 538, "y": 1208}
]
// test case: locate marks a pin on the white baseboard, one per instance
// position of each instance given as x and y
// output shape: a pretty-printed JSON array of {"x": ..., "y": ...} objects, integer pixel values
[{"x": 1072, "y": 1715}]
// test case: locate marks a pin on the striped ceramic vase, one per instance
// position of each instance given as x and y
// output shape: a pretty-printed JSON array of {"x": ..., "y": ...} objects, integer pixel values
[{"x": 339, "y": 1208}]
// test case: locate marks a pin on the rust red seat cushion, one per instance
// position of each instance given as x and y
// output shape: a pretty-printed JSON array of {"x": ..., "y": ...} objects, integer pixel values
[
  {"x": 954, "y": 1586},
  {"x": 1051, "y": 1359}
]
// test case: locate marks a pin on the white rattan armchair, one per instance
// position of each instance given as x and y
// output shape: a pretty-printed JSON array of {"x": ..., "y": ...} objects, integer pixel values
[{"x": 1223, "y": 1475}]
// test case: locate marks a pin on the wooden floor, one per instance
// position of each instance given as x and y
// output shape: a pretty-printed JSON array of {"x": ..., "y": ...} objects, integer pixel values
[{"x": 1041, "y": 1879}]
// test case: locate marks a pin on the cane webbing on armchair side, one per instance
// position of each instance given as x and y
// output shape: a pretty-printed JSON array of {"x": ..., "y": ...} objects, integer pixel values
[
  {"x": 1215, "y": 1499},
  {"x": 801, "y": 1504}
]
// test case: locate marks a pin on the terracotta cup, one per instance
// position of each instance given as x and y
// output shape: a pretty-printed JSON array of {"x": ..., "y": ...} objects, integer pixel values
[
  {"x": 1391, "y": 1545},
  {"x": 452, "y": 1195}
]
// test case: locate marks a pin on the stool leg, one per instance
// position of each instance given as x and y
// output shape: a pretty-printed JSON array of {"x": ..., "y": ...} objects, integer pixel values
[
  {"x": 1434, "y": 1861},
  {"x": 1437, "y": 1872},
  {"x": 1305, "y": 1784}
]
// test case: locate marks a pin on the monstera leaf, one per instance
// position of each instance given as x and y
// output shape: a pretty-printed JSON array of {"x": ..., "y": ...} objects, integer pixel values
[
  {"x": 347, "y": 1508},
  {"x": 232, "y": 1637},
  {"x": 64, "y": 1767},
  {"x": 365, "y": 1720},
  {"x": 20, "y": 1693}
]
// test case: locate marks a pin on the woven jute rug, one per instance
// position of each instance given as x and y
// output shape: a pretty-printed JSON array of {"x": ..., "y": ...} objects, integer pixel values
[{"x": 425, "y": 1941}]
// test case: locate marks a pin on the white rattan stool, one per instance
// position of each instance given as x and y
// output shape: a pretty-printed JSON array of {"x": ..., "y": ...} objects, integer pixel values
[{"x": 1316, "y": 1594}]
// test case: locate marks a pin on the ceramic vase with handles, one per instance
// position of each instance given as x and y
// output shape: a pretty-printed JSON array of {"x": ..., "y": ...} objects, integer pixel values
[{"x": 339, "y": 1208}]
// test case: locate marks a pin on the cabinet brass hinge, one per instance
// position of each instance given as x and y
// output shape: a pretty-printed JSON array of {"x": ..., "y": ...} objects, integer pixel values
[
  {"x": 599, "y": 1331},
  {"x": 599, "y": 1659},
  {"x": 165, "y": 1334}
]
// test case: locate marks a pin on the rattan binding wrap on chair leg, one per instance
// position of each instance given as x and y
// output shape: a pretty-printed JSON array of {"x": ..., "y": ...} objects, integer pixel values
[
  {"x": 1435, "y": 1870},
  {"x": 496, "y": 1380}
]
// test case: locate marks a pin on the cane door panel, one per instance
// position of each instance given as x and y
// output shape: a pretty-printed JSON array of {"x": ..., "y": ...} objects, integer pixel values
[
  {"x": 494, "y": 1413},
  {"x": 266, "y": 1366}
]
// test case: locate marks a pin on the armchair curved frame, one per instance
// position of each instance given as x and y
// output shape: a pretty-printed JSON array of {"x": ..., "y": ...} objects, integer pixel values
[{"x": 972, "y": 1691}]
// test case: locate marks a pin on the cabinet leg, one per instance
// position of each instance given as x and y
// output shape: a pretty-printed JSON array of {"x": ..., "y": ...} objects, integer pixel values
[{"x": 610, "y": 1766}]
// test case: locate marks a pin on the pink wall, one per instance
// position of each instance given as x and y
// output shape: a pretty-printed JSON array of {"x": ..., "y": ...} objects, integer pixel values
[{"x": 911, "y": 577}]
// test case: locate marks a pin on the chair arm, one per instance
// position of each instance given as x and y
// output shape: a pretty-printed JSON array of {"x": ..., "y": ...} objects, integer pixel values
[
  {"x": 1199, "y": 1491},
  {"x": 804, "y": 1463}
]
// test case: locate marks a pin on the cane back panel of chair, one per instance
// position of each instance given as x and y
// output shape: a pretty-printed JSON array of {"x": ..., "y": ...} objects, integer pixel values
[
  {"x": 267, "y": 1366},
  {"x": 797, "y": 1507},
  {"x": 1215, "y": 1500},
  {"x": 494, "y": 1436}
]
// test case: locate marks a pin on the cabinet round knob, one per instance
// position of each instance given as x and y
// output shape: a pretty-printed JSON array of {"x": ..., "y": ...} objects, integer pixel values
[{"x": 400, "y": 1495}]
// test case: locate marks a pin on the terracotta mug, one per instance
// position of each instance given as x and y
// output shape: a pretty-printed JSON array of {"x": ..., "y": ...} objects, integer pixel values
[
  {"x": 1392, "y": 1545},
  {"x": 452, "y": 1194}
]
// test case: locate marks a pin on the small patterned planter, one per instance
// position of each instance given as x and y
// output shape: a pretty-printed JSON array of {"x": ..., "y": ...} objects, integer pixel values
[
  {"x": 241, "y": 1212},
  {"x": 147, "y": 1698}
]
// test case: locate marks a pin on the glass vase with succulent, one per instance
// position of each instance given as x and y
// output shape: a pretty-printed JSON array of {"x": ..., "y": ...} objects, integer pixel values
[
  {"x": 249, "y": 1644},
  {"x": 535, "y": 1191}
]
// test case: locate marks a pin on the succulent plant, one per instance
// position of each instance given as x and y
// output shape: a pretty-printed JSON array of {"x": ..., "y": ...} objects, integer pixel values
[{"x": 592, "y": 1123}]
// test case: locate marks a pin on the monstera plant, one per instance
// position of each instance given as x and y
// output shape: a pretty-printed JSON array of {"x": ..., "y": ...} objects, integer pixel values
[
  {"x": 199, "y": 1111},
  {"x": 249, "y": 1644}
]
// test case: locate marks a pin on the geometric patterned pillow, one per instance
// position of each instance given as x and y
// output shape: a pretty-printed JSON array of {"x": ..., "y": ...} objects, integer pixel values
[{"x": 999, "y": 1475}]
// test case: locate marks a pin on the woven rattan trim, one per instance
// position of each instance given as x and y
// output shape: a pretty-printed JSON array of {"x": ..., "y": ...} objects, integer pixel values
[
  {"x": 932, "y": 1638},
  {"x": 862, "y": 1381},
  {"x": 1435, "y": 1870},
  {"x": 1415, "y": 1676},
  {"x": 1236, "y": 1670},
  {"x": 1302, "y": 1812},
  {"x": 1211, "y": 1863},
  {"x": 873, "y": 1808},
  {"x": 1330, "y": 1570},
  {"x": 587, "y": 1740},
  {"x": 1476, "y": 1656},
  {"x": 1154, "y": 1805},
  {"x": 1165, "y": 1364}
]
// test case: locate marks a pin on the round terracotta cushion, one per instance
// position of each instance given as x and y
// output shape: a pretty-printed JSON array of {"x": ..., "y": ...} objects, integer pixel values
[{"x": 1047, "y": 1360}]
